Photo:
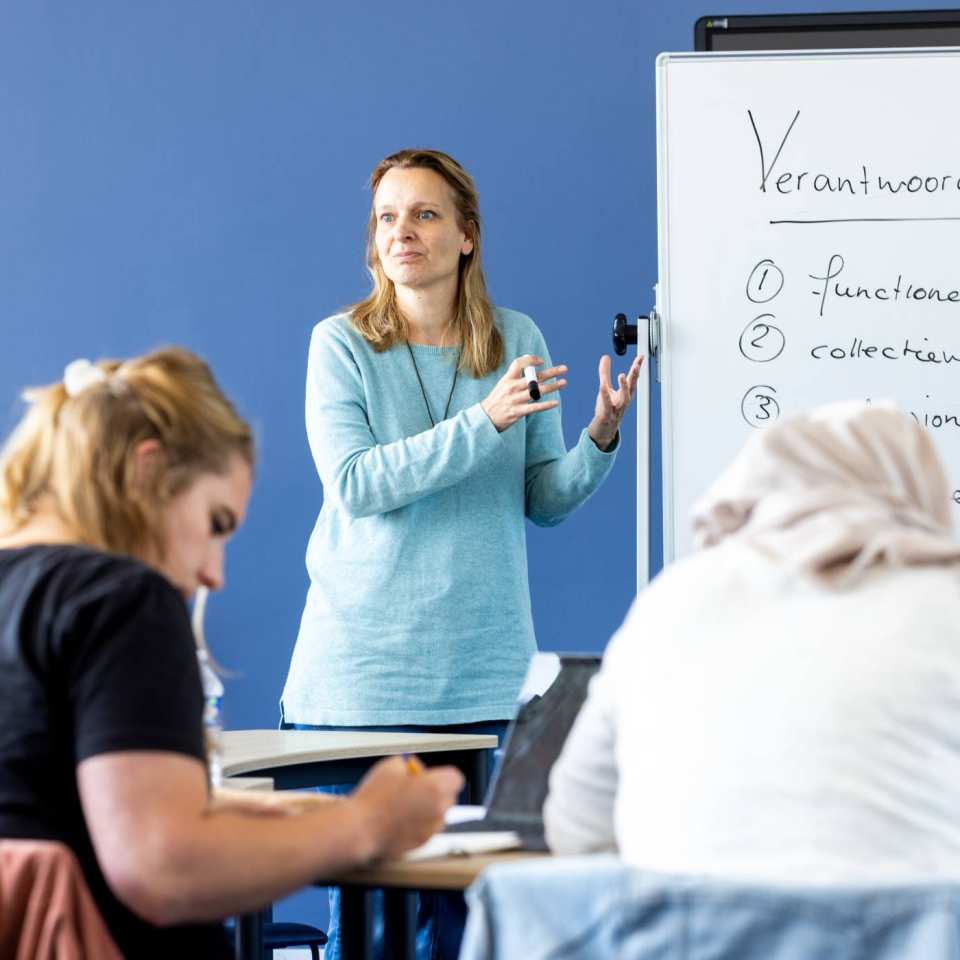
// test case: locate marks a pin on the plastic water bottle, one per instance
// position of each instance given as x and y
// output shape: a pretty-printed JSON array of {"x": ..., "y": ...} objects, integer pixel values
[
  {"x": 212, "y": 729},
  {"x": 212, "y": 691}
]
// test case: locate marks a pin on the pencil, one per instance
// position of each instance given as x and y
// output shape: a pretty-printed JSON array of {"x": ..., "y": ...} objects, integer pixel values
[{"x": 413, "y": 765}]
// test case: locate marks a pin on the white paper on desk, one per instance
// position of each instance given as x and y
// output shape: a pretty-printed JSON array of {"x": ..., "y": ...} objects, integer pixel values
[
  {"x": 462, "y": 813},
  {"x": 464, "y": 844}
]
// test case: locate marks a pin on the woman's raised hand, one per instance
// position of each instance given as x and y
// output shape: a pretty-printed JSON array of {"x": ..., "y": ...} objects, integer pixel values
[
  {"x": 612, "y": 403},
  {"x": 509, "y": 400}
]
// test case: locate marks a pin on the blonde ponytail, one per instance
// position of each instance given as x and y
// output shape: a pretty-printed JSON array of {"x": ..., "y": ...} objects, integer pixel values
[{"x": 75, "y": 454}]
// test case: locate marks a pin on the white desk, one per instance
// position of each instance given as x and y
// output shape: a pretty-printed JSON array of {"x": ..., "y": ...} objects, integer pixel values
[
  {"x": 249, "y": 783},
  {"x": 310, "y": 758}
]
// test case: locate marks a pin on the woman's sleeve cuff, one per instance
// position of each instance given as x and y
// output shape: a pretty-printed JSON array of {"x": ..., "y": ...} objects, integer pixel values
[
  {"x": 594, "y": 449},
  {"x": 477, "y": 418}
]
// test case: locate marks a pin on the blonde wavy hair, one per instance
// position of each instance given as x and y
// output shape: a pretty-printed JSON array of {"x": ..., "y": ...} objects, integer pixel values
[
  {"x": 76, "y": 454},
  {"x": 378, "y": 318}
]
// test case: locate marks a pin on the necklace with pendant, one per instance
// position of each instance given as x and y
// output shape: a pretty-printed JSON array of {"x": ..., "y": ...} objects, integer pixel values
[{"x": 426, "y": 402}]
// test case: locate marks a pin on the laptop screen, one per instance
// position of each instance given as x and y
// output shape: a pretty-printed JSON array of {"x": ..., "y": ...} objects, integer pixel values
[{"x": 536, "y": 736}]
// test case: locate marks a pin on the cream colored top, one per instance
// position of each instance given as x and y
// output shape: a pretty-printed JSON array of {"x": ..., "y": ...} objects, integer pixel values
[{"x": 751, "y": 723}]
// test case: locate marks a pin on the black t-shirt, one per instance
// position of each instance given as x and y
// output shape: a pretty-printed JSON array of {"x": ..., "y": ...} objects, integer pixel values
[{"x": 96, "y": 656}]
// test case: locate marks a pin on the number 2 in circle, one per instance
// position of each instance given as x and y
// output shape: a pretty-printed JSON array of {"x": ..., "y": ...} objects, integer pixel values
[{"x": 762, "y": 341}]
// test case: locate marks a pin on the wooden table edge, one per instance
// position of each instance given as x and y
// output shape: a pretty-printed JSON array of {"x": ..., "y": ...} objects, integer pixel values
[{"x": 441, "y": 873}]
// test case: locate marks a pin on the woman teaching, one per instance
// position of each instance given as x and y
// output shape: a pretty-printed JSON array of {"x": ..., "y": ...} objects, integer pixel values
[
  {"x": 431, "y": 453},
  {"x": 432, "y": 448}
]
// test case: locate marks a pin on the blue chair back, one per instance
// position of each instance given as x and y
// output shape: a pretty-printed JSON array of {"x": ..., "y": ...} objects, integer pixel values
[{"x": 588, "y": 908}]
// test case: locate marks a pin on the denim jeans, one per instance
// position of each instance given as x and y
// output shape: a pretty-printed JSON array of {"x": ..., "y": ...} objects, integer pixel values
[{"x": 440, "y": 915}]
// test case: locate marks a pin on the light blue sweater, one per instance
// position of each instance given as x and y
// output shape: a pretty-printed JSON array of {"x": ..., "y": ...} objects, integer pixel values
[{"x": 418, "y": 610}]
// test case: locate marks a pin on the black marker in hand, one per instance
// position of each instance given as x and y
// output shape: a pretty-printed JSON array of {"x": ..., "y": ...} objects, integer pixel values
[{"x": 533, "y": 384}]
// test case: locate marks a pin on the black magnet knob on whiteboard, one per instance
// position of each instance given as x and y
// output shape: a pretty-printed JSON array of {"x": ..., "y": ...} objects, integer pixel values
[{"x": 624, "y": 334}]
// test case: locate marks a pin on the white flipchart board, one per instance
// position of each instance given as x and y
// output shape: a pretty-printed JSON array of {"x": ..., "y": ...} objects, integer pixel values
[{"x": 826, "y": 269}]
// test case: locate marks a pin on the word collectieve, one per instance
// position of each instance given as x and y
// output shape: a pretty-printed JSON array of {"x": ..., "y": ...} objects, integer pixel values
[{"x": 858, "y": 350}]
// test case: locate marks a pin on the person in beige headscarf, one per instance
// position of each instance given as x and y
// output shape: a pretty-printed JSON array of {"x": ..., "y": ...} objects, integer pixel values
[{"x": 784, "y": 705}]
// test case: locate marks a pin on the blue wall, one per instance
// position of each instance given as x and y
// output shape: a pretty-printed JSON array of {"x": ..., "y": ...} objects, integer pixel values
[{"x": 193, "y": 172}]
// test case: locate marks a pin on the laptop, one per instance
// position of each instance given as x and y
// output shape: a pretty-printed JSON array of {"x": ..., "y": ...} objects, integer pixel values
[{"x": 534, "y": 739}]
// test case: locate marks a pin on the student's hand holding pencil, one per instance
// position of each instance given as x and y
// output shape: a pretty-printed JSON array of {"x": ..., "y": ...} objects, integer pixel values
[
  {"x": 405, "y": 802},
  {"x": 413, "y": 764}
]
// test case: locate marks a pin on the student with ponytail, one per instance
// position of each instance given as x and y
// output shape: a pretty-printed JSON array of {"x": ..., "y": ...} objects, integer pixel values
[{"x": 118, "y": 492}]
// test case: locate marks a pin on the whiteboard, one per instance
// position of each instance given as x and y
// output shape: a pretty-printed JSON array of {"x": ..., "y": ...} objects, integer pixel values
[{"x": 809, "y": 249}]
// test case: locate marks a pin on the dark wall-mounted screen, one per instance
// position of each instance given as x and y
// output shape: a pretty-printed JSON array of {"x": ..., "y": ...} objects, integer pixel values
[{"x": 831, "y": 31}]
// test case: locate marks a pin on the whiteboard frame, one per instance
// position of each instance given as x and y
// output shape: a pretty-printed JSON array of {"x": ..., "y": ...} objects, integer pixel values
[
  {"x": 644, "y": 416},
  {"x": 671, "y": 521}
]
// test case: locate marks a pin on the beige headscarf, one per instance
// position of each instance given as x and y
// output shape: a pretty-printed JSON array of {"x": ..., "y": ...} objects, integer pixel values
[{"x": 834, "y": 491}]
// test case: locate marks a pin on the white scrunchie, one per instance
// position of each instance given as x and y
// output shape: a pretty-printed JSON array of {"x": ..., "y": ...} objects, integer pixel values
[{"x": 81, "y": 374}]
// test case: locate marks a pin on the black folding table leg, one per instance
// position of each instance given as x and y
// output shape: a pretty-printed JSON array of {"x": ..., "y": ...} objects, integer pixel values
[
  {"x": 356, "y": 923},
  {"x": 400, "y": 925},
  {"x": 248, "y": 935},
  {"x": 477, "y": 781}
]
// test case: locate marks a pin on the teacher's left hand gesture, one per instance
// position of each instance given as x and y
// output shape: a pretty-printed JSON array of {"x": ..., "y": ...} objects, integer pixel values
[{"x": 612, "y": 404}]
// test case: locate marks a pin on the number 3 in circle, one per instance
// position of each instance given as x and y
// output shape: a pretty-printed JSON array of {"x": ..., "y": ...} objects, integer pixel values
[{"x": 759, "y": 406}]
